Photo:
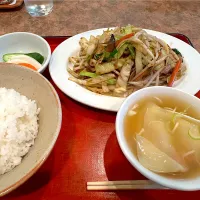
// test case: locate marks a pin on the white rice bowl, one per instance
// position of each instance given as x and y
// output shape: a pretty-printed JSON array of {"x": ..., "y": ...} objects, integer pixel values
[{"x": 18, "y": 127}]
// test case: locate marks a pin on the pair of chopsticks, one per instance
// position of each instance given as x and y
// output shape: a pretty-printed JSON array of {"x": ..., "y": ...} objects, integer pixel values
[{"x": 124, "y": 185}]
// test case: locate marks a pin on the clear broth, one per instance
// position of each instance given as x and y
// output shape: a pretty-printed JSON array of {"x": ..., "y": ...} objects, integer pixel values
[{"x": 132, "y": 126}]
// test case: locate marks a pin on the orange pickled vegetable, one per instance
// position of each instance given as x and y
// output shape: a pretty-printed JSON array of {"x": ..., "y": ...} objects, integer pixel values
[{"x": 28, "y": 65}]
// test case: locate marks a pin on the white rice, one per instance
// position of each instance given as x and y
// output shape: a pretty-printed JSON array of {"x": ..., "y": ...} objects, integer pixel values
[{"x": 18, "y": 127}]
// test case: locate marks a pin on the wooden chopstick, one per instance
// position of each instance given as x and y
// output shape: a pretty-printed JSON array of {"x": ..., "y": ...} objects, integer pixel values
[
  {"x": 120, "y": 182},
  {"x": 124, "y": 185}
]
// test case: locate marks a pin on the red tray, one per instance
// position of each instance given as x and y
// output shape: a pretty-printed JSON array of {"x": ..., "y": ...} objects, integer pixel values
[{"x": 86, "y": 150}]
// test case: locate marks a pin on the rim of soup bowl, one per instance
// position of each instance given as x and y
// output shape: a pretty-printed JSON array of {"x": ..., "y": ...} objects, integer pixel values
[{"x": 178, "y": 184}]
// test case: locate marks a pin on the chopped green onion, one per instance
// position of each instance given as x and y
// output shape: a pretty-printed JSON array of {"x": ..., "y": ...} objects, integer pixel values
[
  {"x": 174, "y": 117},
  {"x": 194, "y": 137}
]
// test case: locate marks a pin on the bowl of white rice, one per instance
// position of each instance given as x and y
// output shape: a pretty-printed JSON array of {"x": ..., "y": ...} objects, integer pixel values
[{"x": 30, "y": 122}]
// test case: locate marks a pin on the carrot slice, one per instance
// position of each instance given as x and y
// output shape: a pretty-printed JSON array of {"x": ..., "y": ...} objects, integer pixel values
[
  {"x": 174, "y": 73},
  {"x": 123, "y": 38},
  {"x": 28, "y": 65}
]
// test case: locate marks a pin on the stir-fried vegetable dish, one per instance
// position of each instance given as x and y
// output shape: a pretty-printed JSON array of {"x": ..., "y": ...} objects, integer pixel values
[{"x": 123, "y": 60}]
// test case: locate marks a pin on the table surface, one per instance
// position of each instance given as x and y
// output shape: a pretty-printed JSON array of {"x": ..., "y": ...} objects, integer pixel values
[
  {"x": 91, "y": 131},
  {"x": 70, "y": 17}
]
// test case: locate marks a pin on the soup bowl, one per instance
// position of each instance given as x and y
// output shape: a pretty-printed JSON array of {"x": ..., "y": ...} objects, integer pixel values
[{"x": 189, "y": 184}]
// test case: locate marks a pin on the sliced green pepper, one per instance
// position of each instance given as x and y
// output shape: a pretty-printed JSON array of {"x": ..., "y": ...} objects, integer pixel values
[
  {"x": 177, "y": 52},
  {"x": 111, "y": 81},
  {"x": 132, "y": 51},
  {"x": 88, "y": 74}
]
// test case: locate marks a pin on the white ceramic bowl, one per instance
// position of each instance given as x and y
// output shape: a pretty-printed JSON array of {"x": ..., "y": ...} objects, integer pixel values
[
  {"x": 179, "y": 184},
  {"x": 23, "y": 42}
]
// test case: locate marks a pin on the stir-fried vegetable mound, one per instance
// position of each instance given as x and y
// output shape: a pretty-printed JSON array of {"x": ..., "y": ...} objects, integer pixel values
[{"x": 123, "y": 60}]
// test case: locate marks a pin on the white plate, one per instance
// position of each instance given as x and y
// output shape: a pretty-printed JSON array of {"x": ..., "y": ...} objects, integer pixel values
[{"x": 190, "y": 83}]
